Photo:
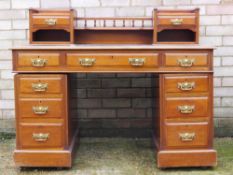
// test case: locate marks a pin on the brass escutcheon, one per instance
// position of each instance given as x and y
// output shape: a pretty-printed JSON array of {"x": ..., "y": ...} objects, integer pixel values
[
  {"x": 39, "y": 87},
  {"x": 38, "y": 62},
  {"x": 186, "y": 62},
  {"x": 187, "y": 137},
  {"x": 186, "y": 109},
  {"x": 87, "y": 62},
  {"x": 51, "y": 21},
  {"x": 40, "y": 110},
  {"x": 176, "y": 21},
  {"x": 40, "y": 137},
  {"x": 186, "y": 86},
  {"x": 137, "y": 61}
]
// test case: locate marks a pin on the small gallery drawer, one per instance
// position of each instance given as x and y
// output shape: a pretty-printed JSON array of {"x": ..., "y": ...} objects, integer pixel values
[
  {"x": 35, "y": 84},
  {"x": 186, "y": 107},
  {"x": 50, "y": 21},
  {"x": 41, "y": 135},
  {"x": 174, "y": 20},
  {"x": 38, "y": 61},
  {"x": 41, "y": 108},
  {"x": 186, "y": 135},
  {"x": 186, "y": 60},
  {"x": 112, "y": 61},
  {"x": 186, "y": 83}
]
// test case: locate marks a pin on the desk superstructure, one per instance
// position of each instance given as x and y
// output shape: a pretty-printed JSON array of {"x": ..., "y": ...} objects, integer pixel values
[{"x": 183, "y": 126}]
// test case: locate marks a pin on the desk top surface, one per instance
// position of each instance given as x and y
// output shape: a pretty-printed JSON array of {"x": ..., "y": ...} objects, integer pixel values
[{"x": 111, "y": 46}]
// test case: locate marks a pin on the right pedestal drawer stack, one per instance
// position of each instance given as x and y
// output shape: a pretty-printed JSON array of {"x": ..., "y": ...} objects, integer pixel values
[{"x": 186, "y": 114}]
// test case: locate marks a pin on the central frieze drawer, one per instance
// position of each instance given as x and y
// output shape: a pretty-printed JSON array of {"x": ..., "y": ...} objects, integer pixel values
[
  {"x": 115, "y": 61},
  {"x": 41, "y": 135},
  {"x": 186, "y": 107},
  {"x": 187, "y": 135},
  {"x": 40, "y": 84},
  {"x": 41, "y": 108},
  {"x": 186, "y": 83}
]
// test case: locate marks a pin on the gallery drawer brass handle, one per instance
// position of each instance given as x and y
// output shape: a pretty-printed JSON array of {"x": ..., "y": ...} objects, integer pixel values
[
  {"x": 50, "y": 21},
  {"x": 87, "y": 62},
  {"x": 39, "y": 62},
  {"x": 40, "y": 110},
  {"x": 186, "y": 109},
  {"x": 185, "y": 62},
  {"x": 39, "y": 87},
  {"x": 40, "y": 137},
  {"x": 187, "y": 137},
  {"x": 186, "y": 86},
  {"x": 176, "y": 21},
  {"x": 137, "y": 61}
]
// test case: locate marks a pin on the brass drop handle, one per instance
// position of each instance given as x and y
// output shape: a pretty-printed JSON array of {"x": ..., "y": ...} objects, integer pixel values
[
  {"x": 87, "y": 62},
  {"x": 176, "y": 21},
  {"x": 51, "y": 21},
  {"x": 187, "y": 137},
  {"x": 40, "y": 110},
  {"x": 186, "y": 86},
  {"x": 40, "y": 137},
  {"x": 137, "y": 62},
  {"x": 186, "y": 109},
  {"x": 185, "y": 62},
  {"x": 38, "y": 62},
  {"x": 39, "y": 87}
]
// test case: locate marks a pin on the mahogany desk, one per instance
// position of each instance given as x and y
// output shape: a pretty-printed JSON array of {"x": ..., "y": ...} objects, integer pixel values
[{"x": 46, "y": 135}]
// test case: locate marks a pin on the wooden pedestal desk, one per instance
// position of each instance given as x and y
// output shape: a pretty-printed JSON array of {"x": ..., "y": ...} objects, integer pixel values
[
  {"x": 183, "y": 128},
  {"x": 165, "y": 44}
]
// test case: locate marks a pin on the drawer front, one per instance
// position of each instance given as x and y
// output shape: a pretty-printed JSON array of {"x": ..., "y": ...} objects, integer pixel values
[
  {"x": 47, "y": 135},
  {"x": 41, "y": 108},
  {"x": 189, "y": 135},
  {"x": 50, "y": 21},
  {"x": 179, "y": 107},
  {"x": 88, "y": 61},
  {"x": 138, "y": 60},
  {"x": 186, "y": 60},
  {"x": 112, "y": 61},
  {"x": 186, "y": 83},
  {"x": 176, "y": 20},
  {"x": 40, "y": 84},
  {"x": 38, "y": 61}
]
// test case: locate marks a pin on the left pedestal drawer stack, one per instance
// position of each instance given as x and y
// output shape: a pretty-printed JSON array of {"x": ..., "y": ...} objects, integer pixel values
[{"x": 42, "y": 120}]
